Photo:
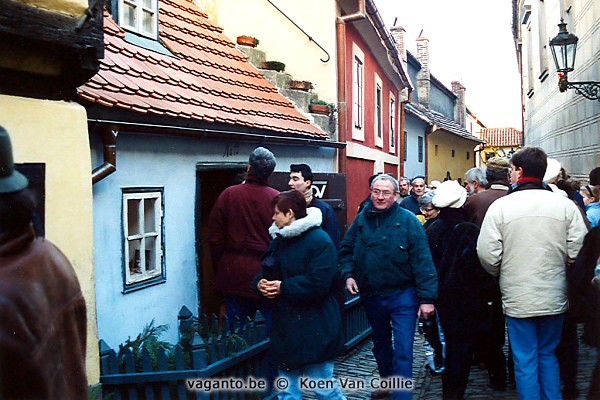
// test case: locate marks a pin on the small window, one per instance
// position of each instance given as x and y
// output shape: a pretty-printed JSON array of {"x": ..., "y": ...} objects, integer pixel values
[
  {"x": 358, "y": 95},
  {"x": 453, "y": 153},
  {"x": 392, "y": 123},
  {"x": 139, "y": 16},
  {"x": 435, "y": 149},
  {"x": 378, "y": 112},
  {"x": 421, "y": 149},
  {"x": 143, "y": 238},
  {"x": 405, "y": 146},
  {"x": 468, "y": 155}
]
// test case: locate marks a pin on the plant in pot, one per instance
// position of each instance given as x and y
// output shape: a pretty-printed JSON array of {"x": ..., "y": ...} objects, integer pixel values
[
  {"x": 320, "y": 107},
  {"x": 250, "y": 41},
  {"x": 273, "y": 65},
  {"x": 301, "y": 85}
]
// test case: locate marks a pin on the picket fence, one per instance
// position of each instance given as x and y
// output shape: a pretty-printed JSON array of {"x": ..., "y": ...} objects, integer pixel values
[{"x": 169, "y": 375}]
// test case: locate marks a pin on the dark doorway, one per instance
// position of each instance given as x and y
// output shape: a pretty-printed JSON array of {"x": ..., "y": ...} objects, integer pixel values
[{"x": 211, "y": 180}]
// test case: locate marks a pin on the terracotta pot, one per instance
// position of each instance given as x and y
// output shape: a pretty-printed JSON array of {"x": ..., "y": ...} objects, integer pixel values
[
  {"x": 246, "y": 41},
  {"x": 319, "y": 109},
  {"x": 300, "y": 85}
]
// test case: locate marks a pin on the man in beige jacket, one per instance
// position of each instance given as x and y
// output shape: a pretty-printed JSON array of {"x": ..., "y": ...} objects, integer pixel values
[{"x": 528, "y": 238}]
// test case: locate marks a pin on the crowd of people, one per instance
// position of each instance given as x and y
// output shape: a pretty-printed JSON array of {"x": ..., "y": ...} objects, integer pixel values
[
  {"x": 515, "y": 252},
  {"x": 490, "y": 256}
]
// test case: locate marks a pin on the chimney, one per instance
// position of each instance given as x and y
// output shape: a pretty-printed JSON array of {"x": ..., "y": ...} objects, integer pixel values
[
  {"x": 423, "y": 76},
  {"x": 460, "y": 109},
  {"x": 398, "y": 35}
]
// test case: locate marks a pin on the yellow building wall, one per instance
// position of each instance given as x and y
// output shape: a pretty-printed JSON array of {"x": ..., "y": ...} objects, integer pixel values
[
  {"x": 69, "y": 7},
  {"x": 284, "y": 42},
  {"x": 55, "y": 133},
  {"x": 438, "y": 164}
]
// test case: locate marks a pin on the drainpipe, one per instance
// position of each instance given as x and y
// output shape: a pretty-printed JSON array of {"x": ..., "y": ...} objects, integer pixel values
[
  {"x": 341, "y": 67},
  {"x": 109, "y": 140}
]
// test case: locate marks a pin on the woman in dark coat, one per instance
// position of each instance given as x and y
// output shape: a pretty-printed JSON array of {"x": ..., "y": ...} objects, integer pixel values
[
  {"x": 298, "y": 276},
  {"x": 464, "y": 287}
]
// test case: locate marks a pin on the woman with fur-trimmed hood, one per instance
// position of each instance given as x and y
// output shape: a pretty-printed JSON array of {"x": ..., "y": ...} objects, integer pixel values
[{"x": 298, "y": 276}]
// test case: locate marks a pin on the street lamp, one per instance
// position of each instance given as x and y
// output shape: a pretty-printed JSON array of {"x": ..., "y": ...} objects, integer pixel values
[{"x": 564, "y": 48}]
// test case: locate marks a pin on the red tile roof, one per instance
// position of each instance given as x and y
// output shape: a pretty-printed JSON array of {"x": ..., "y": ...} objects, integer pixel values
[
  {"x": 207, "y": 80},
  {"x": 502, "y": 137}
]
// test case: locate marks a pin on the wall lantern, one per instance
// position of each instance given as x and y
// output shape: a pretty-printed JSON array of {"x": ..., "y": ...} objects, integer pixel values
[{"x": 564, "y": 48}]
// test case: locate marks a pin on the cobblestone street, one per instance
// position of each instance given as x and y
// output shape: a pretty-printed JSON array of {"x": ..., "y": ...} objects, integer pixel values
[{"x": 359, "y": 364}]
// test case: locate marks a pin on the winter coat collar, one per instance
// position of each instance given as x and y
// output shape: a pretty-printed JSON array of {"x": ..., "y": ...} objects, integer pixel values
[
  {"x": 313, "y": 219},
  {"x": 372, "y": 212},
  {"x": 16, "y": 241},
  {"x": 528, "y": 184}
]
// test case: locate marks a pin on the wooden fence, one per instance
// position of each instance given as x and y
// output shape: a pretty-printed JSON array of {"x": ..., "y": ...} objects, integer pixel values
[{"x": 167, "y": 375}]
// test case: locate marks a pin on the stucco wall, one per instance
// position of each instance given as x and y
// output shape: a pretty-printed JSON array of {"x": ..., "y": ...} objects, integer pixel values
[
  {"x": 566, "y": 125},
  {"x": 55, "y": 133},
  {"x": 70, "y": 7},
  {"x": 168, "y": 162},
  {"x": 414, "y": 128},
  {"x": 282, "y": 41},
  {"x": 457, "y": 165}
]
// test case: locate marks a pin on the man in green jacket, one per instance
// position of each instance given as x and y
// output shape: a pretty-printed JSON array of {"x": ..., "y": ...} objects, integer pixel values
[{"x": 385, "y": 256}]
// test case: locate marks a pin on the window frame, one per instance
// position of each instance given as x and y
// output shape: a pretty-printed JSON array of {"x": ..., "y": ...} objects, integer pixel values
[
  {"x": 393, "y": 121},
  {"x": 139, "y": 9},
  {"x": 158, "y": 275},
  {"x": 378, "y": 107},
  {"x": 421, "y": 148},
  {"x": 358, "y": 93}
]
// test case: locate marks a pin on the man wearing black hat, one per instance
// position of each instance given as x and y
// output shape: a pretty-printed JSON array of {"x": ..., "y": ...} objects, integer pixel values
[{"x": 43, "y": 312}]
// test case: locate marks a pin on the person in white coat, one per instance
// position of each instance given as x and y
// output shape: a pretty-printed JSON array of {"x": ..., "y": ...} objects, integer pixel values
[{"x": 528, "y": 238}]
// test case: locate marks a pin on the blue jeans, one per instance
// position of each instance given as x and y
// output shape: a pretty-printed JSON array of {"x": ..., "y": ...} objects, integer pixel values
[
  {"x": 396, "y": 313},
  {"x": 534, "y": 342},
  {"x": 314, "y": 373}
]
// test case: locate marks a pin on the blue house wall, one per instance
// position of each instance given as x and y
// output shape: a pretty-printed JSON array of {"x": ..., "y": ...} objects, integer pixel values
[
  {"x": 169, "y": 163},
  {"x": 414, "y": 128}
]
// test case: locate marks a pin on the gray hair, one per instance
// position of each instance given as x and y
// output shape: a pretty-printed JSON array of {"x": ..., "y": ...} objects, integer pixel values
[
  {"x": 404, "y": 179},
  {"x": 427, "y": 198},
  {"x": 476, "y": 174},
  {"x": 386, "y": 177},
  {"x": 262, "y": 163}
]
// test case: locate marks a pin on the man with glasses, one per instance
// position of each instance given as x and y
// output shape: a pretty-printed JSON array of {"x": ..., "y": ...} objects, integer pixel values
[{"x": 385, "y": 257}]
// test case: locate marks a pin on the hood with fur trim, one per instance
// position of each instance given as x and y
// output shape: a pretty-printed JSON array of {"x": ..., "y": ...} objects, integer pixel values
[{"x": 313, "y": 218}]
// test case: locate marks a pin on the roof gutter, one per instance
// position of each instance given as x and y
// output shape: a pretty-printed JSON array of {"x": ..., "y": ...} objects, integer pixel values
[
  {"x": 136, "y": 127},
  {"x": 340, "y": 32},
  {"x": 389, "y": 42}
]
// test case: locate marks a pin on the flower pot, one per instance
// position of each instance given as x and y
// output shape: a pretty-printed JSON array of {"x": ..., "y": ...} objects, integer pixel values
[
  {"x": 319, "y": 109},
  {"x": 300, "y": 85},
  {"x": 247, "y": 41},
  {"x": 273, "y": 65}
]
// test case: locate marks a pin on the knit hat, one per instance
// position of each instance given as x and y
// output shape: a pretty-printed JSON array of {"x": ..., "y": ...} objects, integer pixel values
[
  {"x": 552, "y": 170},
  {"x": 449, "y": 194},
  {"x": 498, "y": 164}
]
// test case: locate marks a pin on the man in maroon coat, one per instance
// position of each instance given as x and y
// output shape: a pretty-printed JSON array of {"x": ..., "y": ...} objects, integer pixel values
[{"x": 238, "y": 236}]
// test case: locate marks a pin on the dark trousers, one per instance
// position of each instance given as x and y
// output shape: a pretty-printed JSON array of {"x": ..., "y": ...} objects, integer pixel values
[
  {"x": 567, "y": 354},
  {"x": 459, "y": 353}
]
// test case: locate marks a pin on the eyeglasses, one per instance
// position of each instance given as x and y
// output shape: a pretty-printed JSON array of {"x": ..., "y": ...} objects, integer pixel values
[
  {"x": 424, "y": 210},
  {"x": 385, "y": 194}
]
